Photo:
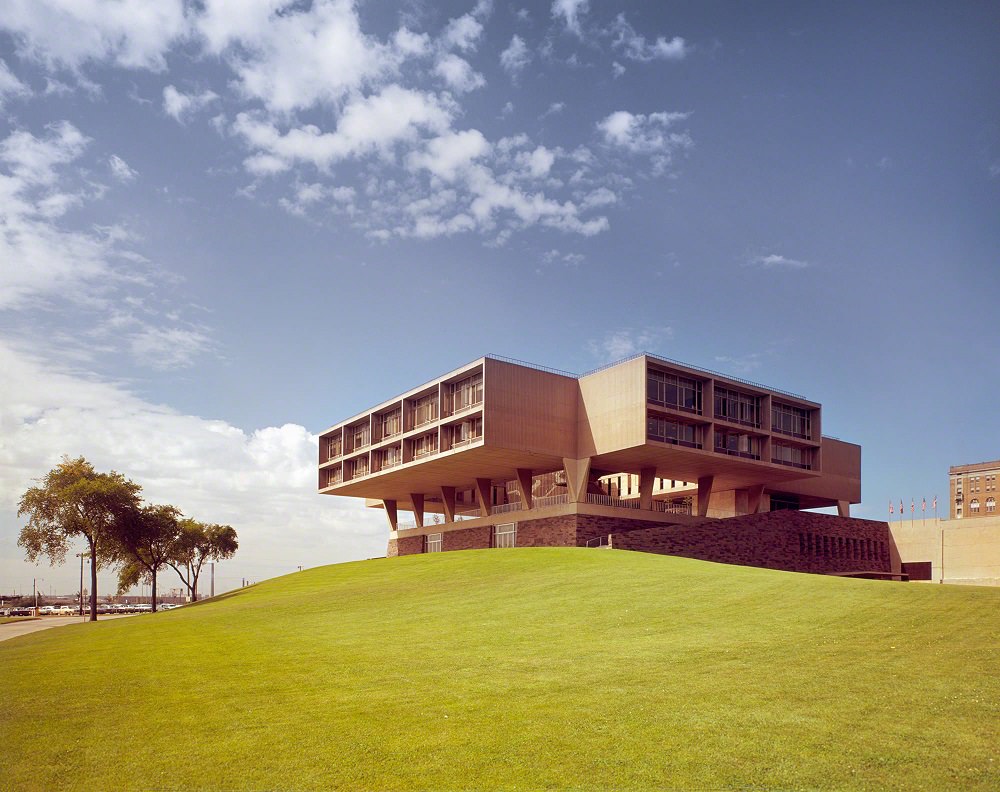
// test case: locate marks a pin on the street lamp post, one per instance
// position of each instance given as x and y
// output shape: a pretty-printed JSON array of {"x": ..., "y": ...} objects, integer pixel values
[
  {"x": 34, "y": 591},
  {"x": 81, "y": 557}
]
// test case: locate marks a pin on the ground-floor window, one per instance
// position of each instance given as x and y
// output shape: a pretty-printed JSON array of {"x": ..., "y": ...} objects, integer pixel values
[
  {"x": 432, "y": 543},
  {"x": 505, "y": 535}
]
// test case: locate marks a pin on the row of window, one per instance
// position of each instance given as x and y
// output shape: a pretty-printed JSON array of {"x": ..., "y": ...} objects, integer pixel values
[
  {"x": 668, "y": 431},
  {"x": 737, "y": 444},
  {"x": 819, "y": 546},
  {"x": 991, "y": 505},
  {"x": 737, "y": 407},
  {"x": 501, "y": 536},
  {"x": 670, "y": 390},
  {"x": 792, "y": 456}
]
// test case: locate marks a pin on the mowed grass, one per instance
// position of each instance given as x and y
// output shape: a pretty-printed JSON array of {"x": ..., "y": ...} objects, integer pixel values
[{"x": 518, "y": 669}]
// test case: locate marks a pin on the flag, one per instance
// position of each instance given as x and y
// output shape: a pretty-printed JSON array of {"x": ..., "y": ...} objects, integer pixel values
[
  {"x": 935, "y": 501},
  {"x": 891, "y": 509},
  {"x": 923, "y": 504},
  {"x": 913, "y": 506},
  {"x": 901, "y": 509}
]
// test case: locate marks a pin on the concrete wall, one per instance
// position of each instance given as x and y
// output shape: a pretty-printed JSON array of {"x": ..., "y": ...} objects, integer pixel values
[{"x": 970, "y": 549}]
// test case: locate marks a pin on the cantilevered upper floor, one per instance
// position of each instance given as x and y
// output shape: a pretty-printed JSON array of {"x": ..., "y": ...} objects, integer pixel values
[{"x": 496, "y": 421}]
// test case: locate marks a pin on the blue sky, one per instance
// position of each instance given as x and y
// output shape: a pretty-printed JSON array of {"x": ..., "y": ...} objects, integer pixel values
[{"x": 232, "y": 223}]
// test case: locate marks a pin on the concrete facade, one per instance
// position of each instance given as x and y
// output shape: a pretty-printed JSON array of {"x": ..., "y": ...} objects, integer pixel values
[
  {"x": 949, "y": 551},
  {"x": 499, "y": 448}
]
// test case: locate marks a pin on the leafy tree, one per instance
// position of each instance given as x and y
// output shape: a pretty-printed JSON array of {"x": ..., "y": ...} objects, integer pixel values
[
  {"x": 197, "y": 543},
  {"x": 146, "y": 539},
  {"x": 74, "y": 500}
]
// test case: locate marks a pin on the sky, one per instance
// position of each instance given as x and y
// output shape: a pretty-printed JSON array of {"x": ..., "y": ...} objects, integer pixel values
[{"x": 230, "y": 224}]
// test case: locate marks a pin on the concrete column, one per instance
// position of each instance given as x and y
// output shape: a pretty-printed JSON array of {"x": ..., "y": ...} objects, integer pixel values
[
  {"x": 524, "y": 482},
  {"x": 647, "y": 477},
  {"x": 448, "y": 499},
  {"x": 754, "y": 497},
  {"x": 417, "y": 499},
  {"x": 844, "y": 508},
  {"x": 577, "y": 476},
  {"x": 391, "y": 513},
  {"x": 483, "y": 486},
  {"x": 704, "y": 494}
]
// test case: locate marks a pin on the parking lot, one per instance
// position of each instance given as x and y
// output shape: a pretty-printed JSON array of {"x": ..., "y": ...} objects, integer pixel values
[{"x": 14, "y": 629}]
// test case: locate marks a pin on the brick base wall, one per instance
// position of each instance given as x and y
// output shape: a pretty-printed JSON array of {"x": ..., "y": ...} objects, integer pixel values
[{"x": 789, "y": 540}]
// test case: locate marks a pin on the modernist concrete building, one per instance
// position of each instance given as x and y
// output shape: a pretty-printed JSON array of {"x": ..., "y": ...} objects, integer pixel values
[{"x": 499, "y": 453}]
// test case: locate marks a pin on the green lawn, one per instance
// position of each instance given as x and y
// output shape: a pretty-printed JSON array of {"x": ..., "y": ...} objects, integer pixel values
[{"x": 527, "y": 669}]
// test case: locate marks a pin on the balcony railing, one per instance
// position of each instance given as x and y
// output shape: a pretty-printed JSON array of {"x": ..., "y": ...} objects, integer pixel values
[
  {"x": 549, "y": 500},
  {"x": 669, "y": 507},
  {"x": 467, "y": 514},
  {"x": 466, "y": 441},
  {"x": 608, "y": 500},
  {"x": 504, "y": 508}
]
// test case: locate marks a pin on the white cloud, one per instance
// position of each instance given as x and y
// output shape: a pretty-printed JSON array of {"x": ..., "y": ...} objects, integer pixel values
[
  {"x": 743, "y": 365},
  {"x": 626, "y": 342},
  {"x": 569, "y": 11},
  {"x": 262, "y": 482},
  {"x": 637, "y": 48},
  {"x": 774, "y": 260},
  {"x": 181, "y": 105},
  {"x": 134, "y": 34},
  {"x": 292, "y": 56},
  {"x": 10, "y": 85},
  {"x": 447, "y": 155},
  {"x": 617, "y": 69},
  {"x": 120, "y": 169},
  {"x": 516, "y": 57},
  {"x": 458, "y": 74},
  {"x": 307, "y": 196},
  {"x": 367, "y": 125},
  {"x": 168, "y": 348},
  {"x": 539, "y": 162},
  {"x": 462, "y": 33},
  {"x": 646, "y": 134}
]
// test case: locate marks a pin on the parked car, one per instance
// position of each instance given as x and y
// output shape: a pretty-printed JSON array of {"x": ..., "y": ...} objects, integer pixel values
[
  {"x": 64, "y": 610},
  {"x": 21, "y": 610},
  {"x": 47, "y": 610},
  {"x": 143, "y": 607}
]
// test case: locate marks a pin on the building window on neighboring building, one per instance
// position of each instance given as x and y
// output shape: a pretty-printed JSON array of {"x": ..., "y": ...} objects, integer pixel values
[
  {"x": 737, "y": 444},
  {"x": 991, "y": 504},
  {"x": 681, "y": 393},
  {"x": 433, "y": 543},
  {"x": 505, "y": 535},
  {"x": 667, "y": 431},
  {"x": 793, "y": 456},
  {"x": 974, "y": 505},
  {"x": 737, "y": 407},
  {"x": 794, "y": 421},
  {"x": 333, "y": 447},
  {"x": 359, "y": 467}
]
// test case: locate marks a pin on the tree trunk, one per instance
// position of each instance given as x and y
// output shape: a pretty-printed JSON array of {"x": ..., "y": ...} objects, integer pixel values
[
  {"x": 153, "y": 573},
  {"x": 194, "y": 585},
  {"x": 93, "y": 581}
]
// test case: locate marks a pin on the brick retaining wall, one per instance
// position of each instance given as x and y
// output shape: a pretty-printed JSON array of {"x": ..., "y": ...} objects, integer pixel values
[{"x": 789, "y": 540}]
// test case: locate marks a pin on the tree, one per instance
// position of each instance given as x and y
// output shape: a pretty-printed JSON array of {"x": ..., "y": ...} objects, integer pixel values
[
  {"x": 146, "y": 539},
  {"x": 197, "y": 543},
  {"x": 74, "y": 500}
]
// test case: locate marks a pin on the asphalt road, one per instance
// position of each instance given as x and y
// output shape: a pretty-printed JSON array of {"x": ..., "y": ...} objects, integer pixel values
[{"x": 14, "y": 629}]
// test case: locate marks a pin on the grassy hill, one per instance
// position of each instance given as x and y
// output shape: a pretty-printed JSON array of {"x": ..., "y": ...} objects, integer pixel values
[{"x": 530, "y": 669}]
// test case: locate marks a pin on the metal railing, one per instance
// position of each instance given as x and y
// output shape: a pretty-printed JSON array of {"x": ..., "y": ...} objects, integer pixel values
[
  {"x": 608, "y": 500},
  {"x": 668, "y": 507},
  {"x": 549, "y": 500},
  {"x": 468, "y": 514},
  {"x": 505, "y": 508}
]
